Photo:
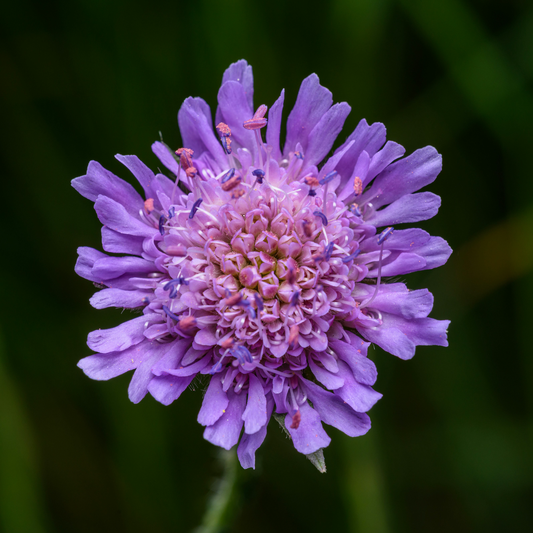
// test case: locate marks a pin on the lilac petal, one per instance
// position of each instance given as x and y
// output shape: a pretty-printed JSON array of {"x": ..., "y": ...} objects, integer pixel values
[
  {"x": 359, "y": 397},
  {"x": 397, "y": 299},
  {"x": 226, "y": 430},
  {"x": 113, "y": 267},
  {"x": 382, "y": 159},
  {"x": 250, "y": 443},
  {"x": 399, "y": 264},
  {"x": 391, "y": 339},
  {"x": 86, "y": 259},
  {"x": 121, "y": 337},
  {"x": 234, "y": 110},
  {"x": 364, "y": 137},
  {"x": 118, "y": 298},
  {"x": 364, "y": 370},
  {"x": 310, "y": 435},
  {"x": 118, "y": 243},
  {"x": 143, "y": 174},
  {"x": 274, "y": 126},
  {"x": 405, "y": 176},
  {"x": 166, "y": 389},
  {"x": 196, "y": 128},
  {"x": 215, "y": 402},
  {"x": 110, "y": 365},
  {"x": 163, "y": 154},
  {"x": 421, "y": 331},
  {"x": 143, "y": 375},
  {"x": 99, "y": 181},
  {"x": 312, "y": 103},
  {"x": 323, "y": 135},
  {"x": 408, "y": 208},
  {"x": 329, "y": 380},
  {"x": 331, "y": 163},
  {"x": 436, "y": 252},
  {"x": 242, "y": 73},
  {"x": 336, "y": 412},
  {"x": 255, "y": 414},
  {"x": 172, "y": 357},
  {"x": 360, "y": 171},
  {"x": 115, "y": 216},
  {"x": 191, "y": 369},
  {"x": 206, "y": 337}
]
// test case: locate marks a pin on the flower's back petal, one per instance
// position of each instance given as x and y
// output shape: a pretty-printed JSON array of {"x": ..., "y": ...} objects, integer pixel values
[
  {"x": 110, "y": 365},
  {"x": 329, "y": 380},
  {"x": 408, "y": 208},
  {"x": 421, "y": 331},
  {"x": 364, "y": 370},
  {"x": 274, "y": 126},
  {"x": 115, "y": 216},
  {"x": 436, "y": 252},
  {"x": 172, "y": 357},
  {"x": 310, "y": 436},
  {"x": 86, "y": 259},
  {"x": 312, "y": 103},
  {"x": 234, "y": 110},
  {"x": 196, "y": 128},
  {"x": 166, "y": 389},
  {"x": 250, "y": 443},
  {"x": 336, "y": 412},
  {"x": 391, "y": 339},
  {"x": 163, "y": 154},
  {"x": 119, "y": 243},
  {"x": 143, "y": 375},
  {"x": 364, "y": 137},
  {"x": 215, "y": 402},
  {"x": 360, "y": 170},
  {"x": 118, "y": 298},
  {"x": 226, "y": 430},
  {"x": 242, "y": 73},
  {"x": 121, "y": 337},
  {"x": 195, "y": 368},
  {"x": 407, "y": 304},
  {"x": 382, "y": 159},
  {"x": 359, "y": 397},
  {"x": 112, "y": 267},
  {"x": 255, "y": 414},
  {"x": 143, "y": 174},
  {"x": 99, "y": 181},
  {"x": 323, "y": 135},
  {"x": 403, "y": 177}
]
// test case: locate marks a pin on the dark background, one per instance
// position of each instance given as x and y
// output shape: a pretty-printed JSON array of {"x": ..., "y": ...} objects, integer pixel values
[{"x": 450, "y": 447}]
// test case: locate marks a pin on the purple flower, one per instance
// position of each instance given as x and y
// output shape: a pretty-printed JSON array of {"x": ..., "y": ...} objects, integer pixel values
[{"x": 266, "y": 270}]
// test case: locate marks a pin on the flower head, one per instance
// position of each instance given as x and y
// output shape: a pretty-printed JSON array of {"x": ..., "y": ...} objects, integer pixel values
[{"x": 265, "y": 270}]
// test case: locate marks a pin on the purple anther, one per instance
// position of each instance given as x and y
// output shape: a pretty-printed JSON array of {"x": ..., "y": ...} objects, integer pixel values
[
  {"x": 242, "y": 354},
  {"x": 351, "y": 256},
  {"x": 216, "y": 367},
  {"x": 312, "y": 192},
  {"x": 259, "y": 175},
  {"x": 146, "y": 300},
  {"x": 299, "y": 155},
  {"x": 228, "y": 175},
  {"x": 354, "y": 208},
  {"x": 385, "y": 234},
  {"x": 171, "y": 314},
  {"x": 171, "y": 212},
  {"x": 294, "y": 298},
  {"x": 162, "y": 220},
  {"x": 223, "y": 129},
  {"x": 322, "y": 217},
  {"x": 226, "y": 144},
  {"x": 328, "y": 177},
  {"x": 259, "y": 302},
  {"x": 195, "y": 207},
  {"x": 328, "y": 251},
  {"x": 171, "y": 286}
]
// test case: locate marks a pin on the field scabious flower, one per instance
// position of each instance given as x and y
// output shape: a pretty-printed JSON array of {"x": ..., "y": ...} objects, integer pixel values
[{"x": 265, "y": 270}]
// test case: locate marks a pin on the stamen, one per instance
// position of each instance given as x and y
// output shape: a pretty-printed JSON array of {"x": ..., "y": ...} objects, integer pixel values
[
  {"x": 294, "y": 335},
  {"x": 351, "y": 256},
  {"x": 258, "y": 121},
  {"x": 171, "y": 212},
  {"x": 233, "y": 300},
  {"x": 231, "y": 183},
  {"x": 294, "y": 298},
  {"x": 226, "y": 144},
  {"x": 228, "y": 175},
  {"x": 171, "y": 286},
  {"x": 328, "y": 177},
  {"x": 228, "y": 343},
  {"x": 385, "y": 234},
  {"x": 223, "y": 130},
  {"x": 266, "y": 369},
  {"x": 242, "y": 354},
  {"x": 328, "y": 251},
  {"x": 322, "y": 217},
  {"x": 187, "y": 322},
  {"x": 195, "y": 207},
  {"x": 259, "y": 302},
  {"x": 354, "y": 208},
  {"x": 259, "y": 175},
  {"x": 149, "y": 205},
  {"x": 171, "y": 314},
  {"x": 237, "y": 193},
  {"x": 296, "y": 419},
  {"x": 307, "y": 227},
  {"x": 357, "y": 186},
  {"x": 162, "y": 220}
]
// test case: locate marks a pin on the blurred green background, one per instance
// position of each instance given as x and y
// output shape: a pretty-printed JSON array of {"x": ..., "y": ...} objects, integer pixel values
[{"x": 450, "y": 447}]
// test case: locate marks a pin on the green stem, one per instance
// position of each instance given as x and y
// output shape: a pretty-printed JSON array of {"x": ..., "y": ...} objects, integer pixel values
[{"x": 222, "y": 503}]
